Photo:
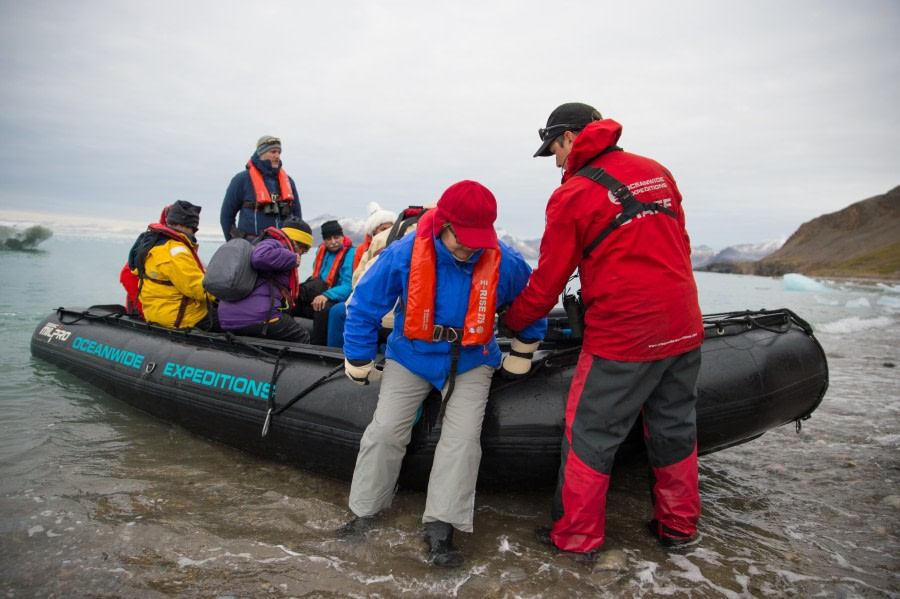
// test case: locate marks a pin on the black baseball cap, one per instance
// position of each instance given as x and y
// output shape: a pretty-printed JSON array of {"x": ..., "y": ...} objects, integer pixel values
[{"x": 573, "y": 116}]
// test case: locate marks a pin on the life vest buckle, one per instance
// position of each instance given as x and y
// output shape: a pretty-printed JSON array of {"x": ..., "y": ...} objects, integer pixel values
[{"x": 445, "y": 333}]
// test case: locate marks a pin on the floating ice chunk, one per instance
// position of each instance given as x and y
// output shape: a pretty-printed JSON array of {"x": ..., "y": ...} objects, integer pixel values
[
  {"x": 888, "y": 301},
  {"x": 797, "y": 282},
  {"x": 827, "y": 301},
  {"x": 889, "y": 288},
  {"x": 35, "y": 529},
  {"x": 860, "y": 302},
  {"x": 854, "y": 324}
]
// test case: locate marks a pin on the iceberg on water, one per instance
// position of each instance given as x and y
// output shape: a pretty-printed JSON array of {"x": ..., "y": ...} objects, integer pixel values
[
  {"x": 889, "y": 301},
  {"x": 889, "y": 288},
  {"x": 797, "y": 282},
  {"x": 854, "y": 324},
  {"x": 859, "y": 302}
]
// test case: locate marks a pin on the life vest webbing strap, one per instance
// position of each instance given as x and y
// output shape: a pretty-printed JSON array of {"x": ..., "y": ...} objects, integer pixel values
[
  {"x": 630, "y": 206},
  {"x": 181, "y": 310}
]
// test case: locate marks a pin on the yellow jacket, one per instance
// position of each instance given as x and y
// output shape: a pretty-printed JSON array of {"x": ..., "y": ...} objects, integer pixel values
[{"x": 173, "y": 275}]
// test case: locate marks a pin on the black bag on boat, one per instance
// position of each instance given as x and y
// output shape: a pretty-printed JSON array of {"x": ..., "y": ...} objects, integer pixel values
[
  {"x": 310, "y": 288},
  {"x": 229, "y": 275}
]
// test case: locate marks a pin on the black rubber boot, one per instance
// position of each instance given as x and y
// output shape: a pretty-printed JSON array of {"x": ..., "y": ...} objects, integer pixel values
[
  {"x": 668, "y": 538},
  {"x": 439, "y": 536},
  {"x": 356, "y": 528},
  {"x": 542, "y": 535}
]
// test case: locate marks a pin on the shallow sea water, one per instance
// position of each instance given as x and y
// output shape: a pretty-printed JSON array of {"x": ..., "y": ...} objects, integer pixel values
[{"x": 99, "y": 500}]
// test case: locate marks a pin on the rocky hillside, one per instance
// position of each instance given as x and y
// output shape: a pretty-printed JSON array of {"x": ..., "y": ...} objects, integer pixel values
[{"x": 862, "y": 240}]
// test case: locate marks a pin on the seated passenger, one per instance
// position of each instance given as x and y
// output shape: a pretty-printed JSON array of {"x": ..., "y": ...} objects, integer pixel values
[
  {"x": 330, "y": 280},
  {"x": 365, "y": 258},
  {"x": 378, "y": 220},
  {"x": 266, "y": 312},
  {"x": 170, "y": 273},
  {"x": 131, "y": 283}
]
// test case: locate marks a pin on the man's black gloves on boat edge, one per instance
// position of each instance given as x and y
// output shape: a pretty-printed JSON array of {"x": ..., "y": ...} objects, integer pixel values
[
  {"x": 361, "y": 372},
  {"x": 518, "y": 363},
  {"x": 502, "y": 328}
]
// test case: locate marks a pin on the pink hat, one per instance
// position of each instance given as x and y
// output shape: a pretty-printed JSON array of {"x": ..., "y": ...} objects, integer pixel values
[{"x": 472, "y": 209}]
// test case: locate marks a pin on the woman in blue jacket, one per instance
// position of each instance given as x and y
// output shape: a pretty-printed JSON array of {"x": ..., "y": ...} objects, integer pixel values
[{"x": 451, "y": 276}]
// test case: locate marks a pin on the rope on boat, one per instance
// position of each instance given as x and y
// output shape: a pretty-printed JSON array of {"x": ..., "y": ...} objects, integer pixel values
[
  {"x": 272, "y": 390},
  {"x": 297, "y": 397}
]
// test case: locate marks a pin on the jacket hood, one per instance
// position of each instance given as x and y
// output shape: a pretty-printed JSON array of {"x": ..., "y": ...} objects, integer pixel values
[
  {"x": 592, "y": 140},
  {"x": 265, "y": 168}
]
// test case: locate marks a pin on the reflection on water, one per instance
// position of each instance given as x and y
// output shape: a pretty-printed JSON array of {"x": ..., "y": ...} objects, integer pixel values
[{"x": 99, "y": 500}]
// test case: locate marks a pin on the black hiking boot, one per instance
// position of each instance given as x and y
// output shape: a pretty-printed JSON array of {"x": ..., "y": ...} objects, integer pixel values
[
  {"x": 356, "y": 528},
  {"x": 542, "y": 536},
  {"x": 439, "y": 536},
  {"x": 668, "y": 538}
]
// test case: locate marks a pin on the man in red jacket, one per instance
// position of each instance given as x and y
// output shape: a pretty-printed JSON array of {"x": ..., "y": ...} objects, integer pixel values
[{"x": 617, "y": 217}]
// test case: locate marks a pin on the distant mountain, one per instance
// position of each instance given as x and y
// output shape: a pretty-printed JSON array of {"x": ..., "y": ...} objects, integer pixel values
[
  {"x": 862, "y": 240},
  {"x": 704, "y": 256},
  {"x": 354, "y": 228},
  {"x": 701, "y": 257}
]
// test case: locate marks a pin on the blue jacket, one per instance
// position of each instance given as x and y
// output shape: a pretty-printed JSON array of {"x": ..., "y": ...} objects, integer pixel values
[
  {"x": 240, "y": 190},
  {"x": 343, "y": 281},
  {"x": 388, "y": 279}
]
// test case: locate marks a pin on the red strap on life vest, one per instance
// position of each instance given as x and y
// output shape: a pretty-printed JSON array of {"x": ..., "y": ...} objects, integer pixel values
[
  {"x": 419, "y": 313},
  {"x": 336, "y": 265},
  {"x": 293, "y": 278},
  {"x": 361, "y": 250},
  {"x": 179, "y": 237},
  {"x": 259, "y": 186}
]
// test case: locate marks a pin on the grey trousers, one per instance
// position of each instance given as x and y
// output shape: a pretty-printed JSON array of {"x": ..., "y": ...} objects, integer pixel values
[{"x": 451, "y": 485}]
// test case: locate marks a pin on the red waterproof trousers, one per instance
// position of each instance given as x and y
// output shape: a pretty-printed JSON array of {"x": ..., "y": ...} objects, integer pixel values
[{"x": 604, "y": 401}]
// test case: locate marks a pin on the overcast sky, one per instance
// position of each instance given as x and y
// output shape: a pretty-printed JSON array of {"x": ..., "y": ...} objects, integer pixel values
[{"x": 768, "y": 113}]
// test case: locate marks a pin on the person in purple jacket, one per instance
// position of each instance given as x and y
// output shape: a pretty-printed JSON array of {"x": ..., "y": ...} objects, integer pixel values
[{"x": 266, "y": 311}]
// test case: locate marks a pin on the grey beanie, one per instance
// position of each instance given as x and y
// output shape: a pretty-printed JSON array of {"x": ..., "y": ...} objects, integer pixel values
[
  {"x": 266, "y": 143},
  {"x": 183, "y": 213}
]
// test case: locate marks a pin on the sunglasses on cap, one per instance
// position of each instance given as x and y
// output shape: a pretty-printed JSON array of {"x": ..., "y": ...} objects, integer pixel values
[
  {"x": 271, "y": 140},
  {"x": 546, "y": 133}
]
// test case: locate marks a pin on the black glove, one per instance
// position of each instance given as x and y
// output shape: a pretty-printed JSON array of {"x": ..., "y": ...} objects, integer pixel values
[{"x": 502, "y": 329}]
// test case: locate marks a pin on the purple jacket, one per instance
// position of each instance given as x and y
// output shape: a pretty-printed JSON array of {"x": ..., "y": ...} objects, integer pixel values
[{"x": 269, "y": 257}]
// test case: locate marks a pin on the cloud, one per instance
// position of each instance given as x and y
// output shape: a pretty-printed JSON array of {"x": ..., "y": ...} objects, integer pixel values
[{"x": 768, "y": 113}]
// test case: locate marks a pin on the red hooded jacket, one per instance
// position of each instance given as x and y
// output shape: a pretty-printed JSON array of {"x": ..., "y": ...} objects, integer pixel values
[{"x": 638, "y": 285}]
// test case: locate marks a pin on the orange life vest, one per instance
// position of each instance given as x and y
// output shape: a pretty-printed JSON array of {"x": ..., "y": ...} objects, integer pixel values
[
  {"x": 335, "y": 265},
  {"x": 259, "y": 186},
  {"x": 361, "y": 250},
  {"x": 419, "y": 312}
]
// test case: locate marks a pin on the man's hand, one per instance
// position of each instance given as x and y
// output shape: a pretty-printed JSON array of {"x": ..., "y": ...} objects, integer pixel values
[
  {"x": 318, "y": 302},
  {"x": 518, "y": 363},
  {"x": 502, "y": 328},
  {"x": 361, "y": 372}
]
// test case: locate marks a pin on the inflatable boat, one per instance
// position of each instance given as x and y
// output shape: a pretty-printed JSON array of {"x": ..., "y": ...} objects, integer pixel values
[{"x": 291, "y": 402}]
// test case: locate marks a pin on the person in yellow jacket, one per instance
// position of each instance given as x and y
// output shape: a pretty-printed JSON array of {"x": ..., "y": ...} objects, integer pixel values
[{"x": 171, "y": 275}]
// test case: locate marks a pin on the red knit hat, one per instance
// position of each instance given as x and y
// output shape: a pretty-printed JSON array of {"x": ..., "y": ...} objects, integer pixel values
[{"x": 472, "y": 209}]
